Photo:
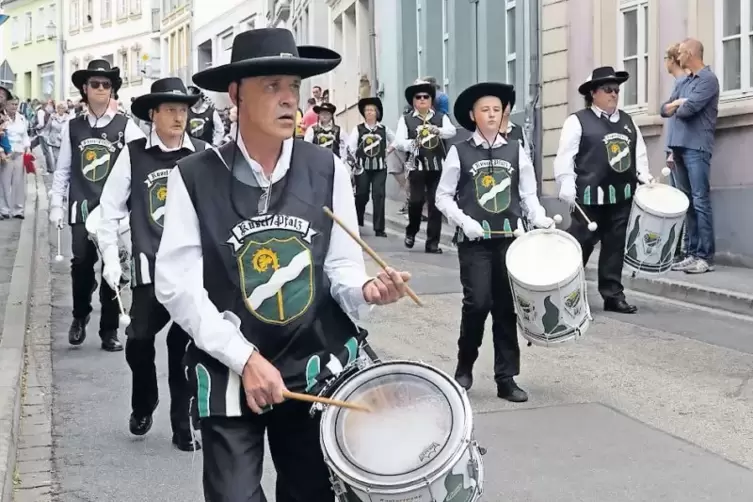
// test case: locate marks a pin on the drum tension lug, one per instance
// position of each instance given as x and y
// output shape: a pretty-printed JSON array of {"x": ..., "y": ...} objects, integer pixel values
[{"x": 337, "y": 486}]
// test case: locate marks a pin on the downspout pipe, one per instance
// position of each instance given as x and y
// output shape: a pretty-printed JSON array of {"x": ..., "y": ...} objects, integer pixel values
[{"x": 373, "y": 78}]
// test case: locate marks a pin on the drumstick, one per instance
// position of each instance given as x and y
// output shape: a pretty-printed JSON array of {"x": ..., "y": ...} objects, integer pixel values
[
  {"x": 592, "y": 226},
  {"x": 125, "y": 319},
  {"x": 325, "y": 400},
  {"x": 370, "y": 252}
]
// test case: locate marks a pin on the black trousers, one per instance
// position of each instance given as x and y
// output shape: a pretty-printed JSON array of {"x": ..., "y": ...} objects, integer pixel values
[
  {"x": 375, "y": 182},
  {"x": 84, "y": 282},
  {"x": 423, "y": 189},
  {"x": 234, "y": 451},
  {"x": 612, "y": 221},
  {"x": 148, "y": 317},
  {"x": 486, "y": 288}
]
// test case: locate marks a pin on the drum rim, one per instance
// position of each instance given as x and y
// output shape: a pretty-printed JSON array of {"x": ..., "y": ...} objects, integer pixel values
[
  {"x": 354, "y": 476},
  {"x": 654, "y": 212},
  {"x": 543, "y": 231}
]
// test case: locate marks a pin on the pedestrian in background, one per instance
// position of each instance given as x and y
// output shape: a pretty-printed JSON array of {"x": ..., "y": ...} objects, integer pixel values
[
  {"x": 13, "y": 173},
  {"x": 54, "y": 136}
]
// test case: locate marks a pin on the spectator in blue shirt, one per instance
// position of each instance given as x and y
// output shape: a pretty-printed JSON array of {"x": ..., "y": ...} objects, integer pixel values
[
  {"x": 441, "y": 102},
  {"x": 691, "y": 138}
]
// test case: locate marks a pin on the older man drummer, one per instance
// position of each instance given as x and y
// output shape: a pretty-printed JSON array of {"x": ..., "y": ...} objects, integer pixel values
[{"x": 486, "y": 187}]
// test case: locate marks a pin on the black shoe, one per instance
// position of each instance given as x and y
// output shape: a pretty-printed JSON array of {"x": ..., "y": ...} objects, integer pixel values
[
  {"x": 380, "y": 233},
  {"x": 410, "y": 240},
  {"x": 19, "y": 216},
  {"x": 434, "y": 250},
  {"x": 360, "y": 222},
  {"x": 619, "y": 306},
  {"x": 509, "y": 390},
  {"x": 77, "y": 331},
  {"x": 464, "y": 376},
  {"x": 140, "y": 425},
  {"x": 110, "y": 341},
  {"x": 185, "y": 441}
]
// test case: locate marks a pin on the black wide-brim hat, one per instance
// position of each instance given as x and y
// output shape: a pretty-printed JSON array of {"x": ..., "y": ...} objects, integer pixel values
[
  {"x": 265, "y": 52},
  {"x": 374, "y": 101},
  {"x": 602, "y": 75},
  {"x": 419, "y": 87},
  {"x": 97, "y": 68},
  {"x": 164, "y": 90},
  {"x": 8, "y": 94},
  {"x": 325, "y": 107},
  {"x": 466, "y": 99}
]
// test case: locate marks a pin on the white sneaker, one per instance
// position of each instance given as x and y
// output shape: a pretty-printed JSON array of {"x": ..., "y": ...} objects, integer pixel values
[
  {"x": 685, "y": 264},
  {"x": 699, "y": 266}
]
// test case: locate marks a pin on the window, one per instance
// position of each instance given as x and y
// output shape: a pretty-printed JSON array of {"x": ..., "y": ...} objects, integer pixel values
[
  {"x": 109, "y": 59},
  {"x": 52, "y": 15},
  {"x": 124, "y": 64},
  {"x": 73, "y": 22},
  {"x": 633, "y": 51},
  {"x": 88, "y": 12},
  {"x": 47, "y": 80},
  {"x": 734, "y": 45},
  {"x": 445, "y": 46},
  {"x": 122, "y": 8},
  {"x": 27, "y": 27},
  {"x": 510, "y": 49},
  {"x": 226, "y": 41},
  {"x": 135, "y": 6},
  {"x": 41, "y": 23},
  {"x": 136, "y": 63},
  {"x": 106, "y": 11},
  {"x": 15, "y": 33}
]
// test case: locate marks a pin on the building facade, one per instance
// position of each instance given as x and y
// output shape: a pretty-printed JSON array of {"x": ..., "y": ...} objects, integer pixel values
[
  {"x": 176, "y": 38},
  {"x": 578, "y": 35},
  {"x": 215, "y": 26},
  {"x": 121, "y": 31},
  {"x": 31, "y": 41},
  {"x": 309, "y": 22}
]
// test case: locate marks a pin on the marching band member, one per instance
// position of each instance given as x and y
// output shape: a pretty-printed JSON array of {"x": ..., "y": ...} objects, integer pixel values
[
  {"x": 601, "y": 157},
  {"x": 204, "y": 121},
  {"x": 420, "y": 133},
  {"x": 138, "y": 183},
  {"x": 90, "y": 145},
  {"x": 370, "y": 142},
  {"x": 483, "y": 190},
  {"x": 325, "y": 133},
  {"x": 263, "y": 281}
]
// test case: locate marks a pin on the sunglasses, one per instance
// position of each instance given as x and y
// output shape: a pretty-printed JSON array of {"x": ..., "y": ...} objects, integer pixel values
[
  {"x": 421, "y": 96},
  {"x": 611, "y": 88},
  {"x": 95, "y": 84}
]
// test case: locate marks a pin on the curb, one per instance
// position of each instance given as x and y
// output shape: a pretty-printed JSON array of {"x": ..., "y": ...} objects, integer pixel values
[
  {"x": 12, "y": 344},
  {"x": 704, "y": 296}
]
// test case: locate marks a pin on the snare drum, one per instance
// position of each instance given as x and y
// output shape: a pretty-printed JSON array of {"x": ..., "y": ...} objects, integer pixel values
[
  {"x": 549, "y": 286},
  {"x": 94, "y": 220},
  {"x": 655, "y": 225},
  {"x": 416, "y": 444}
]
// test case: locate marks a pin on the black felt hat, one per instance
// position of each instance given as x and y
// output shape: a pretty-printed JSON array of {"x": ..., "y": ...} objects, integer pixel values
[
  {"x": 264, "y": 52},
  {"x": 325, "y": 107},
  {"x": 419, "y": 87},
  {"x": 602, "y": 75},
  {"x": 97, "y": 68},
  {"x": 374, "y": 101},
  {"x": 466, "y": 99},
  {"x": 164, "y": 90}
]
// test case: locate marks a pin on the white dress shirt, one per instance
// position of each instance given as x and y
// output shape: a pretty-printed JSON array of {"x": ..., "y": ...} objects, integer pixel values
[
  {"x": 117, "y": 192},
  {"x": 62, "y": 176},
  {"x": 448, "y": 183},
  {"x": 404, "y": 144},
  {"x": 352, "y": 143},
  {"x": 564, "y": 163},
  {"x": 218, "y": 134},
  {"x": 179, "y": 280},
  {"x": 308, "y": 136},
  {"x": 17, "y": 129}
]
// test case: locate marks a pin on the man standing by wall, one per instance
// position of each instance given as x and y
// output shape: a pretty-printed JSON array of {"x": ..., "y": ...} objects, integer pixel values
[{"x": 692, "y": 143}]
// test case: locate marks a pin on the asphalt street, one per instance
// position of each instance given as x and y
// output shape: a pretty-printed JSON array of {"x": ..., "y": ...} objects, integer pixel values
[{"x": 654, "y": 406}]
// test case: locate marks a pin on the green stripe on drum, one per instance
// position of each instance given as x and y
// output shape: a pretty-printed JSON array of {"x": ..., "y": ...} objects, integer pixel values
[
  {"x": 313, "y": 368},
  {"x": 587, "y": 196},
  {"x": 352, "y": 346},
  {"x": 487, "y": 229},
  {"x": 203, "y": 390}
]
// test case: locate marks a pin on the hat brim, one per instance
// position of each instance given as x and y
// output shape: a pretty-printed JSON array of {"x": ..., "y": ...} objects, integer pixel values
[
  {"x": 8, "y": 94},
  {"x": 80, "y": 77},
  {"x": 330, "y": 108},
  {"x": 414, "y": 89},
  {"x": 141, "y": 106},
  {"x": 364, "y": 102},
  {"x": 619, "y": 76},
  {"x": 311, "y": 61},
  {"x": 466, "y": 99}
]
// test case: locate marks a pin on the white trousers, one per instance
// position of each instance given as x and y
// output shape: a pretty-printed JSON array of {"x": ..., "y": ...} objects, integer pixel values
[{"x": 12, "y": 186}]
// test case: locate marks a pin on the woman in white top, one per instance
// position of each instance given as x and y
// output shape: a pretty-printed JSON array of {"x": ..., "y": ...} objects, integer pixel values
[
  {"x": 54, "y": 133},
  {"x": 12, "y": 179}
]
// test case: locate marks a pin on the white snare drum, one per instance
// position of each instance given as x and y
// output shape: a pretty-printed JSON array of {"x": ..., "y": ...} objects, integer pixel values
[
  {"x": 549, "y": 286},
  {"x": 655, "y": 225},
  {"x": 93, "y": 221},
  {"x": 415, "y": 446}
]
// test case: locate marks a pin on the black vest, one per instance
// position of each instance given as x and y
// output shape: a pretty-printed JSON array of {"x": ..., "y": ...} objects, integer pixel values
[
  {"x": 516, "y": 134},
  {"x": 605, "y": 164},
  {"x": 94, "y": 152},
  {"x": 328, "y": 138},
  {"x": 432, "y": 149},
  {"x": 488, "y": 186},
  {"x": 201, "y": 125},
  {"x": 372, "y": 147},
  {"x": 269, "y": 271},
  {"x": 149, "y": 171}
]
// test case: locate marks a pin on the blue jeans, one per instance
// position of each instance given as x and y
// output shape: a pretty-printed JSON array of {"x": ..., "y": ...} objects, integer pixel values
[{"x": 691, "y": 175}]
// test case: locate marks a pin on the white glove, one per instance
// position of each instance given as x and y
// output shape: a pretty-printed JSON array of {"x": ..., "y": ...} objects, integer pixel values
[
  {"x": 112, "y": 272},
  {"x": 56, "y": 216},
  {"x": 645, "y": 179},
  {"x": 542, "y": 221},
  {"x": 472, "y": 229},
  {"x": 568, "y": 191}
]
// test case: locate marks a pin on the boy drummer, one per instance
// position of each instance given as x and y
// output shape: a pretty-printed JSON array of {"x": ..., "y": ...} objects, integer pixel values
[{"x": 484, "y": 231}]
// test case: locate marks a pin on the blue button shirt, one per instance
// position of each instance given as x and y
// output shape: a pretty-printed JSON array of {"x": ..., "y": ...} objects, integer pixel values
[
  {"x": 679, "y": 82},
  {"x": 695, "y": 119}
]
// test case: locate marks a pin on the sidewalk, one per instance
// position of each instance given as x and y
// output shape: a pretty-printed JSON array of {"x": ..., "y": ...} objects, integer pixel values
[{"x": 727, "y": 288}]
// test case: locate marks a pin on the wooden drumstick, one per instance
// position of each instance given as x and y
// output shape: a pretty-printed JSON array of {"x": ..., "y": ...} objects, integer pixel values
[
  {"x": 370, "y": 252},
  {"x": 592, "y": 226},
  {"x": 325, "y": 400}
]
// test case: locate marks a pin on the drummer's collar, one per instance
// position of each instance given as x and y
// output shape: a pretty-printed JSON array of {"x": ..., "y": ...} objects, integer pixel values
[
  {"x": 479, "y": 140},
  {"x": 327, "y": 127},
  {"x": 155, "y": 141},
  {"x": 598, "y": 111},
  {"x": 281, "y": 168},
  {"x": 372, "y": 127},
  {"x": 428, "y": 115}
]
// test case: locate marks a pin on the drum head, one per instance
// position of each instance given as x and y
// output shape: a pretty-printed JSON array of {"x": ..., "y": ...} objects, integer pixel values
[
  {"x": 418, "y": 422},
  {"x": 544, "y": 258},
  {"x": 662, "y": 200}
]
